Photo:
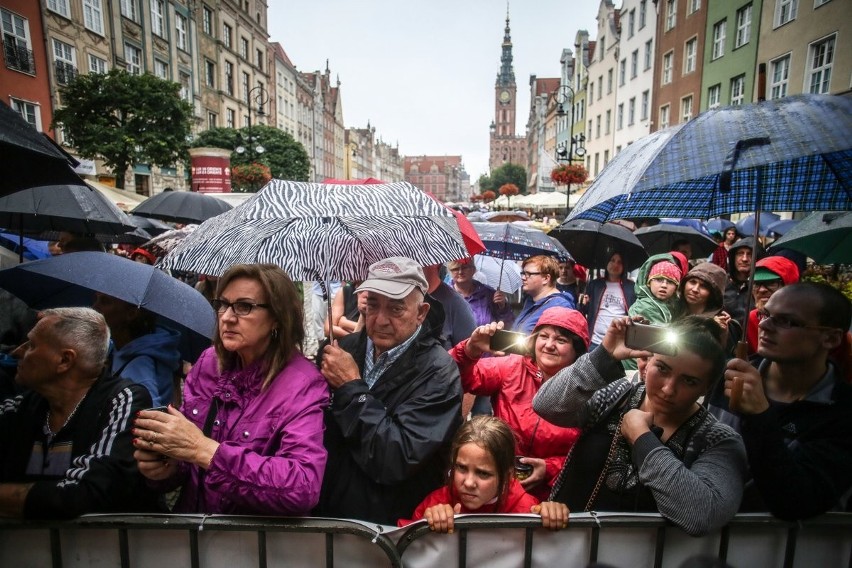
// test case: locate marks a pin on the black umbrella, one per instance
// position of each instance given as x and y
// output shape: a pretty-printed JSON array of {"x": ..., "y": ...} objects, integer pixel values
[
  {"x": 660, "y": 238},
  {"x": 592, "y": 243},
  {"x": 29, "y": 157},
  {"x": 151, "y": 226},
  {"x": 181, "y": 207}
]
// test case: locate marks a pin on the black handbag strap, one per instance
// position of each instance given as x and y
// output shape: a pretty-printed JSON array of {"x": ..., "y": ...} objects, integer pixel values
[{"x": 208, "y": 428}]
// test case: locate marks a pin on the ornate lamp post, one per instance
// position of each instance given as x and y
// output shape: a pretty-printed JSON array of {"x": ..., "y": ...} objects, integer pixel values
[
  {"x": 259, "y": 97},
  {"x": 567, "y": 149}
]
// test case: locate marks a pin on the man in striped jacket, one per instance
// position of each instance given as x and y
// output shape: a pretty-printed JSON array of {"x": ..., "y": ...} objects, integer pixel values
[{"x": 66, "y": 443}]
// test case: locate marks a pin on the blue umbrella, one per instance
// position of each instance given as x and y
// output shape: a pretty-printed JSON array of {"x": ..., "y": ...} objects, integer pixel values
[
  {"x": 779, "y": 228},
  {"x": 34, "y": 249},
  {"x": 719, "y": 225},
  {"x": 516, "y": 242},
  {"x": 696, "y": 224},
  {"x": 72, "y": 280},
  {"x": 791, "y": 154},
  {"x": 745, "y": 226}
]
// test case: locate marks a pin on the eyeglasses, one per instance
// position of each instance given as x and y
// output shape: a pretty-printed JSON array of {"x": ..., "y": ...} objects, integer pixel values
[
  {"x": 240, "y": 308},
  {"x": 460, "y": 268},
  {"x": 784, "y": 322},
  {"x": 770, "y": 285},
  {"x": 525, "y": 274}
]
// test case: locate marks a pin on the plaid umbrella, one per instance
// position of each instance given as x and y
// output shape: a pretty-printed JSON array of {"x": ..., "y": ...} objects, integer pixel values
[
  {"x": 824, "y": 236},
  {"x": 318, "y": 231},
  {"x": 791, "y": 154}
]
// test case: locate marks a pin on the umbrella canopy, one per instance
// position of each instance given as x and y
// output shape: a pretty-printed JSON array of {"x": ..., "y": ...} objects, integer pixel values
[
  {"x": 824, "y": 236},
  {"x": 781, "y": 227},
  {"x": 151, "y": 226},
  {"x": 660, "y": 238},
  {"x": 165, "y": 242},
  {"x": 497, "y": 273},
  {"x": 515, "y": 242},
  {"x": 317, "y": 231},
  {"x": 33, "y": 249},
  {"x": 30, "y": 158},
  {"x": 72, "y": 279},
  {"x": 505, "y": 216},
  {"x": 745, "y": 226},
  {"x": 592, "y": 244},
  {"x": 719, "y": 225},
  {"x": 794, "y": 154},
  {"x": 74, "y": 208},
  {"x": 181, "y": 207}
]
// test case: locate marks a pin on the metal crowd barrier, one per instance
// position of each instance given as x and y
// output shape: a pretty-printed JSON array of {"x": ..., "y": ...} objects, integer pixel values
[{"x": 621, "y": 540}]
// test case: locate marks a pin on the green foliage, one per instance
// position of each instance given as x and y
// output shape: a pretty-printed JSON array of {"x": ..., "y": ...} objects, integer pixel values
[
  {"x": 124, "y": 119},
  {"x": 505, "y": 174},
  {"x": 838, "y": 276},
  {"x": 285, "y": 157}
]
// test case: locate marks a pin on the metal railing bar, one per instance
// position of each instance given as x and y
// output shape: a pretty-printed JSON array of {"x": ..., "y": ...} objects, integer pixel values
[
  {"x": 463, "y": 548},
  {"x": 659, "y": 547},
  {"x": 55, "y": 548},
  {"x": 528, "y": 543},
  {"x": 123, "y": 548},
  {"x": 261, "y": 549},
  {"x": 593, "y": 546},
  {"x": 194, "y": 557},
  {"x": 329, "y": 550},
  {"x": 790, "y": 548},
  {"x": 724, "y": 542}
]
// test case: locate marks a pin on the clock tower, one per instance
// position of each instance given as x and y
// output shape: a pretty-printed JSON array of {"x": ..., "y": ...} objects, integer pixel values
[{"x": 505, "y": 146}]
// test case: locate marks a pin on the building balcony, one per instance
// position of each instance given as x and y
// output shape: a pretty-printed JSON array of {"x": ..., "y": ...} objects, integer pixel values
[{"x": 18, "y": 57}]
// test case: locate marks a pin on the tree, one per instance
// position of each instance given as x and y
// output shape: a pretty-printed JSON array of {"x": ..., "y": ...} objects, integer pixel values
[
  {"x": 124, "y": 119},
  {"x": 285, "y": 157},
  {"x": 511, "y": 174},
  {"x": 485, "y": 183},
  {"x": 508, "y": 189}
]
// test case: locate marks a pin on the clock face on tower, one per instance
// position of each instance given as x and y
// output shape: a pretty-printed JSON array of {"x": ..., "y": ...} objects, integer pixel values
[{"x": 505, "y": 97}]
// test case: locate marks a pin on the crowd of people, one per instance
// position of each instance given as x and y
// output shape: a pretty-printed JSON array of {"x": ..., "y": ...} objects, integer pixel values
[{"x": 379, "y": 424}]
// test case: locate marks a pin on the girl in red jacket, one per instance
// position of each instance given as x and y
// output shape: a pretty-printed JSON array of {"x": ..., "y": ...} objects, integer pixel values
[{"x": 482, "y": 480}]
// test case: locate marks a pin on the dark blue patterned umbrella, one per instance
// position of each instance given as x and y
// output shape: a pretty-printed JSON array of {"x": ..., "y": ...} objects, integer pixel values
[
  {"x": 324, "y": 231},
  {"x": 511, "y": 241},
  {"x": 797, "y": 151}
]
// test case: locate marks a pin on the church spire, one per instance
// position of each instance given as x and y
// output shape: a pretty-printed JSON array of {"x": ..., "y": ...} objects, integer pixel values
[{"x": 507, "y": 72}]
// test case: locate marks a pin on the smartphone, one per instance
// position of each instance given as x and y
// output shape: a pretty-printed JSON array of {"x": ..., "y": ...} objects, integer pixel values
[
  {"x": 653, "y": 338},
  {"x": 159, "y": 409},
  {"x": 509, "y": 342}
]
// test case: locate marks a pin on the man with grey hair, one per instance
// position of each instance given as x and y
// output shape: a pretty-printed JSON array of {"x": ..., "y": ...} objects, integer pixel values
[
  {"x": 66, "y": 444},
  {"x": 396, "y": 401}
]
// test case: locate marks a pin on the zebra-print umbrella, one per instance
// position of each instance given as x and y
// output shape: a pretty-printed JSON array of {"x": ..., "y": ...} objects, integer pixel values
[{"x": 323, "y": 231}]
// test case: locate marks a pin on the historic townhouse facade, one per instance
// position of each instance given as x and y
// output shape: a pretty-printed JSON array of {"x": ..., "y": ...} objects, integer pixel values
[
  {"x": 285, "y": 104},
  {"x": 541, "y": 133},
  {"x": 635, "y": 75},
  {"x": 440, "y": 175},
  {"x": 603, "y": 89}
]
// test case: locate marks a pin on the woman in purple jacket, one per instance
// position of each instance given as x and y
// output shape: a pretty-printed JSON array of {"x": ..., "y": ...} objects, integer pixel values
[{"x": 249, "y": 436}]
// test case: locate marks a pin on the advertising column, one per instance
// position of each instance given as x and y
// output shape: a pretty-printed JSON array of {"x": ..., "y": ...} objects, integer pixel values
[{"x": 211, "y": 170}]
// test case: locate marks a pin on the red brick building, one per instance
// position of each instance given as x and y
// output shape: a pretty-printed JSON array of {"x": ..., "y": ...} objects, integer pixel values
[{"x": 439, "y": 175}]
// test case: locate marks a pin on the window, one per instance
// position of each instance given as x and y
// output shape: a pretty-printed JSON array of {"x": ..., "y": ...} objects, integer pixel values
[
  {"x": 244, "y": 46},
  {"x": 714, "y": 94},
  {"x": 779, "y": 74},
  {"x": 818, "y": 3},
  {"x": 622, "y": 72},
  {"x": 671, "y": 14},
  {"x": 161, "y": 69},
  {"x": 719, "y": 39},
  {"x": 686, "y": 109},
  {"x": 133, "y": 58},
  {"x": 597, "y": 163},
  {"x": 600, "y": 87},
  {"x": 609, "y": 82},
  {"x": 61, "y": 7},
  {"x": 690, "y": 50},
  {"x": 694, "y": 6},
  {"x": 668, "y": 63},
  {"x": 245, "y": 84},
  {"x": 643, "y": 10},
  {"x": 664, "y": 116},
  {"x": 619, "y": 117},
  {"x": 590, "y": 131},
  {"x": 820, "y": 59},
  {"x": 16, "y": 42},
  {"x": 229, "y": 78},
  {"x": 157, "y": 22},
  {"x": 608, "y": 122},
  {"x": 606, "y": 157},
  {"x": 785, "y": 11},
  {"x": 207, "y": 20},
  {"x": 631, "y": 23},
  {"x": 598, "y": 126},
  {"x": 185, "y": 86},
  {"x": 28, "y": 112},
  {"x": 602, "y": 47},
  {"x": 129, "y": 9},
  {"x": 738, "y": 90},
  {"x": 210, "y": 73},
  {"x": 646, "y": 100},
  {"x": 64, "y": 61},
  {"x": 228, "y": 36},
  {"x": 180, "y": 32},
  {"x": 743, "y": 26},
  {"x": 97, "y": 65},
  {"x": 631, "y": 111},
  {"x": 93, "y": 16},
  {"x": 591, "y": 93},
  {"x": 634, "y": 63},
  {"x": 211, "y": 119},
  {"x": 649, "y": 54},
  {"x": 259, "y": 58},
  {"x": 231, "y": 120}
]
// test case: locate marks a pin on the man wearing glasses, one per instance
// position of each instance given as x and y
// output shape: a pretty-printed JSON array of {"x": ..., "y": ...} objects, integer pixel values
[
  {"x": 538, "y": 282},
  {"x": 794, "y": 410},
  {"x": 770, "y": 275}
]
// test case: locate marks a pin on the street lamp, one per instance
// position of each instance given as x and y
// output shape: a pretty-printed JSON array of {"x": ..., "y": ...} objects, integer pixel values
[
  {"x": 256, "y": 96},
  {"x": 567, "y": 149}
]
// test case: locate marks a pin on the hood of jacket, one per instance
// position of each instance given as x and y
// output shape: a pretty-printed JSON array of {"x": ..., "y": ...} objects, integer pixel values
[
  {"x": 712, "y": 275},
  {"x": 161, "y": 345},
  {"x": 642, "y": 289},
  {"x": 743, "y": 242},
  {"x": 785, "y": 268}
]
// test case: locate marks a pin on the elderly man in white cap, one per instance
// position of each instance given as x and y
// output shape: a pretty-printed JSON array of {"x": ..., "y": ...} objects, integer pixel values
[{"x": 396, "y": 401}]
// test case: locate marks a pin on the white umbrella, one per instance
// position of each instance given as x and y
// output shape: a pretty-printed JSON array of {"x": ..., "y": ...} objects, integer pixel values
[{"x": 500, "y": 274}]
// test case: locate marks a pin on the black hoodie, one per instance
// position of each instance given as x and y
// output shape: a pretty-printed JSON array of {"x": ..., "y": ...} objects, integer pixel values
[{"x": 737, "y": 302}]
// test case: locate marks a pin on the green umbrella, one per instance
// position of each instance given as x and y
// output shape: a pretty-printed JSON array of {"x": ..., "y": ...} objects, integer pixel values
[{"x": 824, "y": 236}]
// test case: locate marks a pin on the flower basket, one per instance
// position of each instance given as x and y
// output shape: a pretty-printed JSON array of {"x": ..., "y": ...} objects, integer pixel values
[{"x": 566, "y": 174}]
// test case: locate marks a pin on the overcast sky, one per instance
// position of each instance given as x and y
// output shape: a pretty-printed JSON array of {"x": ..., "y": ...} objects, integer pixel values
[{"x": 423, "y": 72}]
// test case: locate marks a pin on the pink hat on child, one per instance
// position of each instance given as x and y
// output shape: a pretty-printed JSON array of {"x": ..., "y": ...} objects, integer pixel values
[{"x": 667, "y": 270}]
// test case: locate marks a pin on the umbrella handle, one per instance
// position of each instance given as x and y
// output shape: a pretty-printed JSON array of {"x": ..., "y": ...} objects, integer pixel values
[{"x": 500, "y": 279}]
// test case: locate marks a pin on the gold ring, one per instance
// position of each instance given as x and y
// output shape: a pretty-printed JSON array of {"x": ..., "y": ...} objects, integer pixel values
[{"x": 150, "y": 443}]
